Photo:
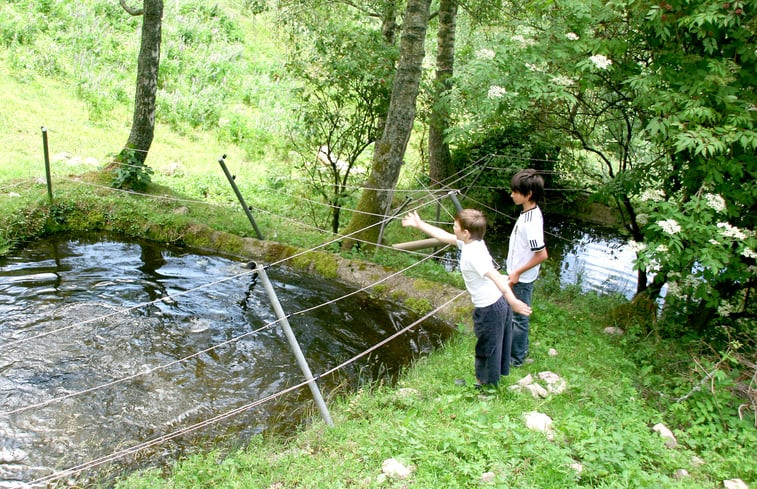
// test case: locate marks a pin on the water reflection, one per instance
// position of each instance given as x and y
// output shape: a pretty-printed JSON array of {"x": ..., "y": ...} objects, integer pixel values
[{"x": 78, "y": 316}]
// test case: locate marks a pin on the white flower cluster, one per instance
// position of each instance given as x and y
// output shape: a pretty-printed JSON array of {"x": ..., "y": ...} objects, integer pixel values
[
  {"x": 601, "y": 61},
  {"x": 637, "y": 247},
  {"x": 715, "y": 201},
  {"x": 655, "y": 195},
  {"x": 670, "y": 226},
  {"x": 749, "y": 253},
  {"x": 485, "y": 54},
  {"x": 572, "y": 36},
  {"x": 563, "y": 80},
  {"x": 523, "y": 41},
  {"x": 730, "y": 231},
  {"x": 495, "y": 91},
  {"x": 533, "y": 67}
]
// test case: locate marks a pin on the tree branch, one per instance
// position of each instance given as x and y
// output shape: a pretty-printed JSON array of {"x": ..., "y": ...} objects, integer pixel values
[{"x": 129, "y": 10}]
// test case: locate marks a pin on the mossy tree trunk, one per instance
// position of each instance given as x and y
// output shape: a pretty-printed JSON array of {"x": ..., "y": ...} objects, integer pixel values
[
  {"x": 143, "y": 122},
  {"x": 390, "y": 148},
  {"x": 440, "y": 160}
]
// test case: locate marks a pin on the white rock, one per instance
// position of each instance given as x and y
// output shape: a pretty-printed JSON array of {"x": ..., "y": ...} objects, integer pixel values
[
  {"x": 89, "y": 160},
  {"x": 488, "y": 477},
  {"x": 680, "y": 474},
  {"x": 394, "y": 469},
  {"x": 735, "y": 484},
  {"x": 539, "y": 422},
  {"x": 696, "y": 461},
  {"x": 60, "y": 157},
  {"x": 528, "y": 379},
  {"x": 577, "y": 467},
  {"x": 552, "y": 352},
  {"x": 613, "y": 330},
  {"x": 14, "y": 194},
  {"x": 555, "y": 383},
  {"x": 666, "y": 434},
  {"x": 536, "y": 391}
]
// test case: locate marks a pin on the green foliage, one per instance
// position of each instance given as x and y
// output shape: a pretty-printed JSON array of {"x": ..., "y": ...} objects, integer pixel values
[{"x": 130, "y": 172}]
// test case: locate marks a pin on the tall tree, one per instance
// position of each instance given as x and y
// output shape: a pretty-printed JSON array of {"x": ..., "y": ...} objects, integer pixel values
[
  {"x": 390, "y": 149},
  {"x": 440, "y": 161},
  {"x": 148, "y": 63}
]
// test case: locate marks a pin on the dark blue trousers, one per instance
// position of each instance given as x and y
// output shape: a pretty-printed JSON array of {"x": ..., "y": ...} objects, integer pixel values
[{"x": 493, "y": 328}]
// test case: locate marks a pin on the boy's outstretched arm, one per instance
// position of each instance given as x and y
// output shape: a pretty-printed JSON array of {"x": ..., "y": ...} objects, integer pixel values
[
  {"x": 502, "y": 284},
  {"x": 413, "y": 220}
]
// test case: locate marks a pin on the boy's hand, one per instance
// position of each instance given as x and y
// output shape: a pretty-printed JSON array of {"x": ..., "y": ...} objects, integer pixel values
[
  {"x": 412, "y": 219},
  {"x": 521, "y": 307}
]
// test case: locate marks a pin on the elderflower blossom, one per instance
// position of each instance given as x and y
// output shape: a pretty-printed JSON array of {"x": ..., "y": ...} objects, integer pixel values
[
  {"x": 655, "y": 195},
  {"x": 714, "y": 242},
  {"x": 601, "y": 61},
  {"x": 572, "y": 36},
  {"x": 715, "y": 202},
  {"x": 749, "y": 253},
  {"x": 637, "y": 247},
  {"x": 563, "y": 80},
  {"x": 670, "y": 226},
  {"x": 726, "y": 309},
  {"x": 522, "y": 40},
  {"x": 495, "y": 91},
  {"x": 730, "y": 231},
  {"x": 533, "y": 67},
  {"x": 661, "y": 249},
  {"x": 485, "y": 54}
]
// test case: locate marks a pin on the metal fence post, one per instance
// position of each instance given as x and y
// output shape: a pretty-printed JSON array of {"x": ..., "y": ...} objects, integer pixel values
[
  {"x": 47, "y": 165},
  {"x": 294, "y": 345}
]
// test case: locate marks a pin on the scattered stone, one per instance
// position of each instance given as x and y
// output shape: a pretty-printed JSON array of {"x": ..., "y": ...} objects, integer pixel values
[
  {"x": 529, "y": 360},
  {"x": 539, "y": 422},
  {"x": 14, "y": 194},
  {"x": 666, "y": 434},
  {"x": 577, "y": 467},
  {"x": 552, "y": 352},
  {"x": 394, "y": 469},
  {"x": 614, "y": 331},
  {"x": 89, "y": 160},
  {"x": 528, "y": 379},
  {"x": 407, "y": 392},
  {"x": 555, "y": 383},
  {"x": 536, "y": 391},
  {"x": 696, "y": 461},
  {"x": 735, "y": 484},
  {"x": 60, "y": 157},
  {"x": 680, "y": 474},
  {"x": 181, "y": 211},
  {"x": 488, "y": 477}
]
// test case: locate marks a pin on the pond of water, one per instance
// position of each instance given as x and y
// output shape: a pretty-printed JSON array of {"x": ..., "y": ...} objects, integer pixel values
[{"x": 93, "y": 361}]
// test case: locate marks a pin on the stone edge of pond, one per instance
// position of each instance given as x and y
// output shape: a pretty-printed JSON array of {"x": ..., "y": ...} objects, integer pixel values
[{"x": 417, "y": 294}]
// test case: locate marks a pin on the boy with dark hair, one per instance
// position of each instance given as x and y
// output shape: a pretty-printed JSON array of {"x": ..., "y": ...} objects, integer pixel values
[
  {"x": 526, "y": 252},
  {"x": 489, "y": 291}
]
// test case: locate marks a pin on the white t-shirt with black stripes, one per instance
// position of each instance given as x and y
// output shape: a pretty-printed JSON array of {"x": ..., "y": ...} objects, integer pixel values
[{"x": 526, "y": 239}]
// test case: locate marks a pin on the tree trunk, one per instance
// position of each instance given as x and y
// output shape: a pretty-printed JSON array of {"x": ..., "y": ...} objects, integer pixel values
[
  {"x": 390, "y": 148},
  {"x": 440, "y": 160},
  {"x": 143, "y": 122}
]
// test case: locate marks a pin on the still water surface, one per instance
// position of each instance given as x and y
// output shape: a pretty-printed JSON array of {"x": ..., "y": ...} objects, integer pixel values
[{"x": 77, "y": 315}]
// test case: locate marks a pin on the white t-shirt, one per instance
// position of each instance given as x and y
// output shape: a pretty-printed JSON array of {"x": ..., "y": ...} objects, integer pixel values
[
  {"x": 475, "y": 263},
  {"x": 526, "y": 239}
]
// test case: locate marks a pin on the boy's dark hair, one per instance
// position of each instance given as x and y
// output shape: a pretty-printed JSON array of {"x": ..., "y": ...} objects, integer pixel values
[
  {"x": 526, "y": 181},
  {"x": 473, "y": 221}
]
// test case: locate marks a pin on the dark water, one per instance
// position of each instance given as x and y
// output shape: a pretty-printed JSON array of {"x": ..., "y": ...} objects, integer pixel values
[{"x": 80, "y": 315}]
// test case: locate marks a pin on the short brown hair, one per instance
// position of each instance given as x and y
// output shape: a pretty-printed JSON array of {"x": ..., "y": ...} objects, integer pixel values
[{"x": 473, "y": 221}]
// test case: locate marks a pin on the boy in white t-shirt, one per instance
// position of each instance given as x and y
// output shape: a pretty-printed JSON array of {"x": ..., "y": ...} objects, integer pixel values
[
  {"x": 526, "y": 252},
  {"x": 489, "y": 291}
]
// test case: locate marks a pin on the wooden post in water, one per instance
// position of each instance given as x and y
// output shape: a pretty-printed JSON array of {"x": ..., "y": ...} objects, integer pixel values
[{"x": 294, "y": 345}]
